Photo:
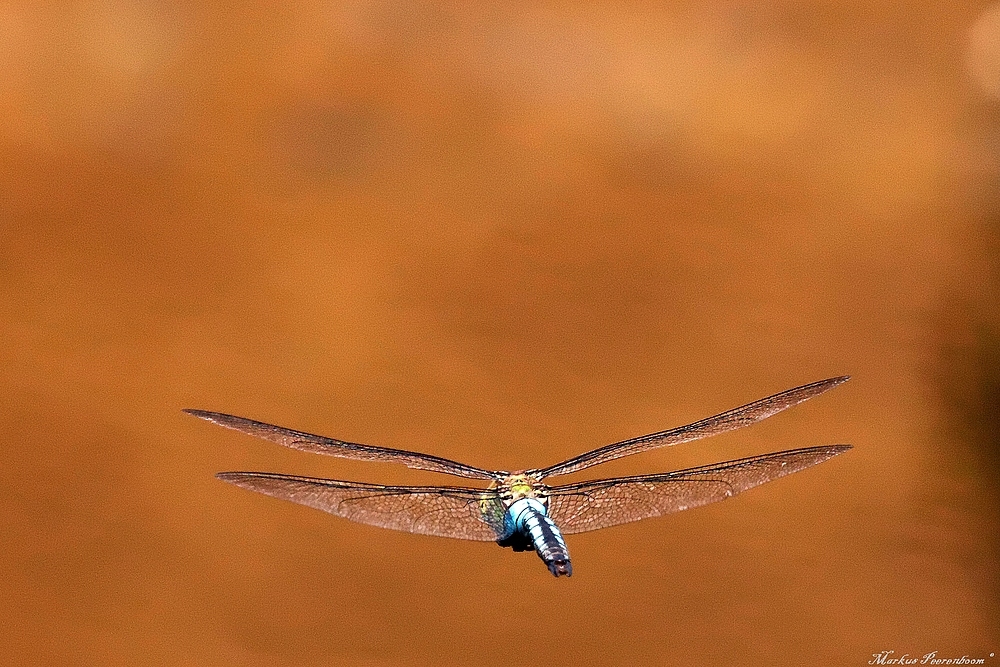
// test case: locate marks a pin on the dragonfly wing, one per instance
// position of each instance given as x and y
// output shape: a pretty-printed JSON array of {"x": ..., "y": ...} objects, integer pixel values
[
  {"x": 577, "y": 508},
  {"x": 726, "y": 421},
  {"x": 444, "y": 511},
  {"x": 347, "y": 450}
]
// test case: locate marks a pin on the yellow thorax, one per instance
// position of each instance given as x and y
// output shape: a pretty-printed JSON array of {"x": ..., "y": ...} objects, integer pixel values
[{"x": 520, "y": 486}]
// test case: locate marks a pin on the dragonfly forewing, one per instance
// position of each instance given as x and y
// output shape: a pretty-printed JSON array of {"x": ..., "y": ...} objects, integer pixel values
[
  {"x": 319, "y": 444},
  {"x": 444, "y": 511},
  {"x": 578, "y": 508},
  {"x": 720, "y": 423}
]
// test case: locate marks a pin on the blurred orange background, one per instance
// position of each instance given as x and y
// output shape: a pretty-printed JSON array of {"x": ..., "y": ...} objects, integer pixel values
[{"x": 505, "y": 234}]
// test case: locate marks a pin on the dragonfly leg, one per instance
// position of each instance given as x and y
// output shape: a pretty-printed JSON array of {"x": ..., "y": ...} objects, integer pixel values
[{"x": 518, "y": 541}]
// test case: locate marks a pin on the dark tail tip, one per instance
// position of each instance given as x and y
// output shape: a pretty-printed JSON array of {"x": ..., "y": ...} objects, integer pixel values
[{"x": 560, "y": 567}]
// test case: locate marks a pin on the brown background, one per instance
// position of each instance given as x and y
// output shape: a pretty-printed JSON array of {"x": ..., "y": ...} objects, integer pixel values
[{"x": 502, "y": 233}]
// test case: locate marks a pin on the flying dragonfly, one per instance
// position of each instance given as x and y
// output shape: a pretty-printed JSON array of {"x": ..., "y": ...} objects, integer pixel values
[{"x": 517, "y": 509}]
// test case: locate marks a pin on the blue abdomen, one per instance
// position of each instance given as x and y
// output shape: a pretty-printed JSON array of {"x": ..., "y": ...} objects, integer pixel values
[{"x": 528, "y": 517}]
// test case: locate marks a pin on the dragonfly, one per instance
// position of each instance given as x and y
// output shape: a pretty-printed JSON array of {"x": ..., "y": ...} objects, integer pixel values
[{"x": 517, "y": 509}]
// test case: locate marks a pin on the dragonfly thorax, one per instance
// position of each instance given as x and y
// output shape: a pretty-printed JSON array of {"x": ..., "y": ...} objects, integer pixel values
[{"x": 518, "y": 486}]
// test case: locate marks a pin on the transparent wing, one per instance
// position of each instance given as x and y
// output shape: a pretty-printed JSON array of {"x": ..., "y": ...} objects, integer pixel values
[
  {"x": 347, "y": 450},
  {"x": 726, "y": 421},
  {"x": 445, "y": 511},
  {"x": 577, "y": 508}
]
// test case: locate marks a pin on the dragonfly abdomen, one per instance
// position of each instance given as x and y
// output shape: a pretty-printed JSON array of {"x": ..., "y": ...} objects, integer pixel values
[{"x": 528, "y": 516}]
